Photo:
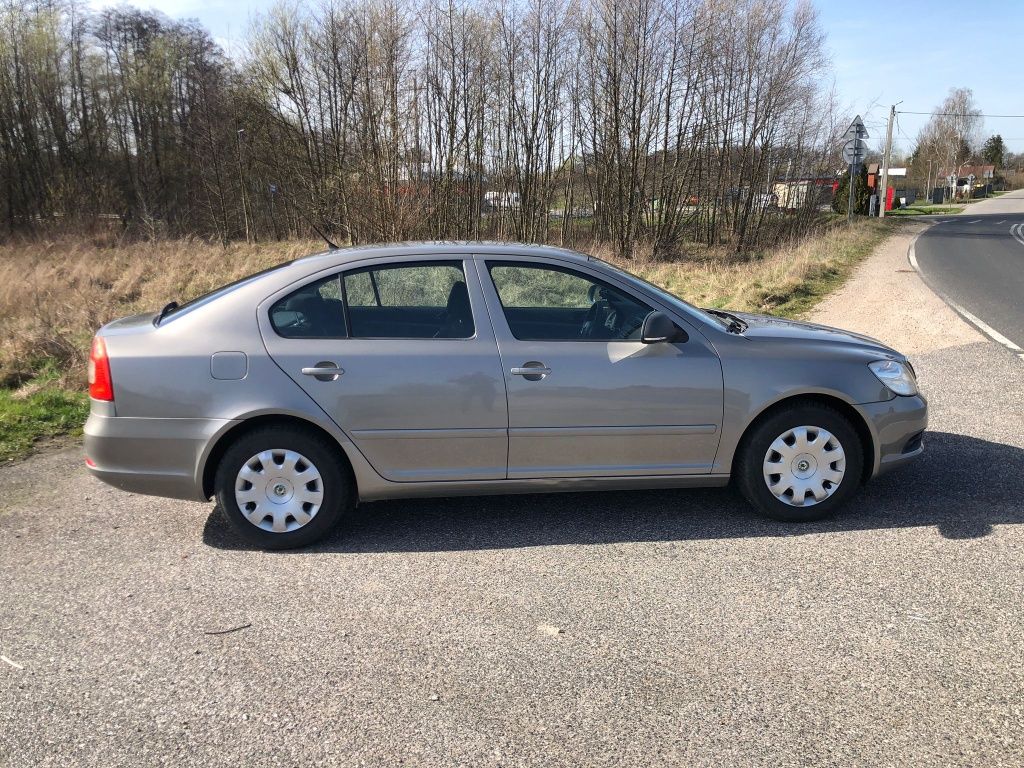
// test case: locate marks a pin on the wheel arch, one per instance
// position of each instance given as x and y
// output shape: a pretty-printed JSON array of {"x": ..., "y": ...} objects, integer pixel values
[
  {"x": 856, "y": 419},
  {"x": 225, "y": 439}
]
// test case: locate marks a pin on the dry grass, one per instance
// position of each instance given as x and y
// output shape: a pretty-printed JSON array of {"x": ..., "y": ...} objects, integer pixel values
[
  {"x": 55, "y": 294},
  {"x": 787, "y": 280}
]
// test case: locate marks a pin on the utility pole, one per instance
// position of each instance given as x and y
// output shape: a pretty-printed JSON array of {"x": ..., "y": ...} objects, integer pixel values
[{"x": 884, "y": 188}]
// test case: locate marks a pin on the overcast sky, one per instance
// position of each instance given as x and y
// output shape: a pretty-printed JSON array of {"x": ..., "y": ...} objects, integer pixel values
[{"x": 912, "y": 51}]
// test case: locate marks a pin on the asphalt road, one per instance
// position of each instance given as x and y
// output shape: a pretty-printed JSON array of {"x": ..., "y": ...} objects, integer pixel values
[
  {"x": 654, "y": 628},
  {"x": 976, "y": 259}
]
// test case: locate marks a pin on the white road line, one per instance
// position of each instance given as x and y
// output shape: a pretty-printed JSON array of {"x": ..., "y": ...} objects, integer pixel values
[
  {"x": 976, "y": 221},
  {"x": 974, "y": 320},
  {"x": 1017, "y": 231},
  {"x": 1001, "y": 222},
  {"x": 987, "y": 329},
  {"x": 912, "y": 255}
]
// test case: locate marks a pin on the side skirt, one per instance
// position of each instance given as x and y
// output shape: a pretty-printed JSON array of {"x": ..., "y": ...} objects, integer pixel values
[{"x": 377, "y": 491}]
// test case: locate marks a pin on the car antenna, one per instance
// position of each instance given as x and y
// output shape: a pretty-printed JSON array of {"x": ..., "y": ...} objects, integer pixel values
[{"x": 276, "y": 190}]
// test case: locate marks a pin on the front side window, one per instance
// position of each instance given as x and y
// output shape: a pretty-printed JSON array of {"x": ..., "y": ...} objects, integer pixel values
[
  {"x": 409, "y": 301},
  {"x": 314, "y": 311},
  {"x": 548, "y": 303}
]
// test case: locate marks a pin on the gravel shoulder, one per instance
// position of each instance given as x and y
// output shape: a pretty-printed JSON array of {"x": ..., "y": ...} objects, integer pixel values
[
  {"x": 644, "y": 628},
  {"x": 887, "y": 299}
]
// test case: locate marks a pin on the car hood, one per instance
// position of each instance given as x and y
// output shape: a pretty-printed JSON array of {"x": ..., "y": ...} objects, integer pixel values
[{"x": 769, "y": 327}]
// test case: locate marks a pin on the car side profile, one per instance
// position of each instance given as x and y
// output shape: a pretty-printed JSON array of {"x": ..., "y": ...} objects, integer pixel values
[{"x": 438, "y": 369}]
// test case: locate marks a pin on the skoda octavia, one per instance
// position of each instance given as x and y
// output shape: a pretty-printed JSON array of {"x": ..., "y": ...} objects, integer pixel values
[{"x": 437, "y": 369}]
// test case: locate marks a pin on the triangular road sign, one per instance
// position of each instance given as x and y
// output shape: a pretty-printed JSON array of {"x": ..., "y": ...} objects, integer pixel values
[{"x": 857, "y": 130}]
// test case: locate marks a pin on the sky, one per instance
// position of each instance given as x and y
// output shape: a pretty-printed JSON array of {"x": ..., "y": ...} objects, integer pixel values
[
  {"x": 883, "y": 52},
  {"x": 913, "y": 52}
]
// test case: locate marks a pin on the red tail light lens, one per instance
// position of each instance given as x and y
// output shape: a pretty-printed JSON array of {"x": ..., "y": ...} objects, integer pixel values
[{"x": 101, "y": 387}]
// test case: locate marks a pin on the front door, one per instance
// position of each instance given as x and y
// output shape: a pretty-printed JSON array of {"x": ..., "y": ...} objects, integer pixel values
[
  {"x": 402, "y": 357},
  {"x": 585, "y": 397}
]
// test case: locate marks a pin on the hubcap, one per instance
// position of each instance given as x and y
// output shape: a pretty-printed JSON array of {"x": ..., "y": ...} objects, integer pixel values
[
  {"x": 279, "y": 490},
  {"x": 804, "y": 466}
]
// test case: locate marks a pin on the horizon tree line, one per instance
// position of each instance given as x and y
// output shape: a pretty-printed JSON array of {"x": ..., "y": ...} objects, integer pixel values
[{"x": 630, "y": 122}]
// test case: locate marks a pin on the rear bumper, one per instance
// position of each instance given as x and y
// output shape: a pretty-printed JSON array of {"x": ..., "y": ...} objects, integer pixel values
[
  {"x": 159, "y": 457},
  {"x": 898, "y": 427}
]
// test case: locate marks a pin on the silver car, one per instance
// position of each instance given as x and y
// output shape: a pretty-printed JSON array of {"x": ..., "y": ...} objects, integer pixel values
[{"x": 438, "y": 369}]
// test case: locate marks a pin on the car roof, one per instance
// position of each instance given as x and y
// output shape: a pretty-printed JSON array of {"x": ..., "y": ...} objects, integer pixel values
[{"x": 442, "y": 247}]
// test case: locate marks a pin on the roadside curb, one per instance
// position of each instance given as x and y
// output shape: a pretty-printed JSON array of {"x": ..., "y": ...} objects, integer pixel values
[{"x": 968, "y": 317}]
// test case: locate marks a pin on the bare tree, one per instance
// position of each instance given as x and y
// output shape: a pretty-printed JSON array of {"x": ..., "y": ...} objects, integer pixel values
[{"x": 643, "y": 123}]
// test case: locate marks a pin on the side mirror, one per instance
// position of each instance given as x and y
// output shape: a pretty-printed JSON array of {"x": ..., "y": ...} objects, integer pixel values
[{"x": 659, "y": 327}]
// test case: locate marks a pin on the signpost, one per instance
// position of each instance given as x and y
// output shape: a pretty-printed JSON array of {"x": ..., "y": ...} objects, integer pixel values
[{"x": 855, "y": 149}]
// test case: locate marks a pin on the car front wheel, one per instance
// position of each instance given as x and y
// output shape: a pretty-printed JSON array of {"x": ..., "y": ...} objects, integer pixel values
[
  {"x": 283, "y": 487},
  {"x": 801, "y": 463}
]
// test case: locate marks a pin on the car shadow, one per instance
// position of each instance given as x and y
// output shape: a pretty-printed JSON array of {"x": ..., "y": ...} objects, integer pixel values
[{"x": 961, "y": 485}]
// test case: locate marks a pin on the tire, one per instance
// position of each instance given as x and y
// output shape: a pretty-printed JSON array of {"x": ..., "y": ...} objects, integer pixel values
[
  {"x": 292, "y": 483},
  {"x": 835, "y": 476}
]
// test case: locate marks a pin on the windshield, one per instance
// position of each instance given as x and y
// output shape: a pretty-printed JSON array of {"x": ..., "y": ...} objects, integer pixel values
[
  {"x": 216, "y": 293},
  {"x": 668, "y": 298}
]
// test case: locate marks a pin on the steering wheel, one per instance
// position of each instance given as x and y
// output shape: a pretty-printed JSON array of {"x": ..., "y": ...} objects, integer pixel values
[{"x": 592, "y": 322}]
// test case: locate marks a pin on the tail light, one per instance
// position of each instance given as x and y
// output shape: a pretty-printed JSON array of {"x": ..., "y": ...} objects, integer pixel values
[{"x": 101, "y": 387}]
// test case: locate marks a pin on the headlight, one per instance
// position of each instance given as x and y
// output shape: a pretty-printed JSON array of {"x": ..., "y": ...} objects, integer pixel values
[{"x": 897, "y": 376}]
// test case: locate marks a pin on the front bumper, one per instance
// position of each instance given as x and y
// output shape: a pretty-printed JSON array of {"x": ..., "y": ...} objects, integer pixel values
[
  {"x": 897, "y": 427},
  {"x": 159, "y": 457}
]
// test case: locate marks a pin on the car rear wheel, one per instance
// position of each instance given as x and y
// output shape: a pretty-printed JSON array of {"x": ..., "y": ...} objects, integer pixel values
[
  {"x": 283, "y": 487},
  {"x": 801, "y": 463}
]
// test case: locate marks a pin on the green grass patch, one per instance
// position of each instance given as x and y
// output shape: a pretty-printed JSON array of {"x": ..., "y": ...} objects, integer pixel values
[
  {"x": 28, "y": 417},
  {"x": 925, "y": 210}
]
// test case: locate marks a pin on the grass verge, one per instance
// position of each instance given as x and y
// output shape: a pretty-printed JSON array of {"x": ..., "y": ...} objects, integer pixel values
[
  {"x": 28, "y": 417},
  {"x": 53, "y": 296},
  {"x": 925, "y": 210},
  {"x": 787, "y": 281}
]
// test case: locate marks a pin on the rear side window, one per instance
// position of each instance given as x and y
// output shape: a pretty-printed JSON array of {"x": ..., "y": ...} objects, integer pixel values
[
  {"x": 314, "y": 311},
  {"x": 409, "y": 301}
]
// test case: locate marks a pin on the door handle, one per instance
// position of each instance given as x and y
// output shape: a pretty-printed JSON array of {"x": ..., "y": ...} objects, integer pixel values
[
  {"x": 531, "y": 371},
  {"x": 325, "y": 370}
]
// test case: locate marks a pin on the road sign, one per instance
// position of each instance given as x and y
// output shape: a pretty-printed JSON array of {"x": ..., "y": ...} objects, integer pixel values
[
  {"x": 854, "y": 151},
  {"x": 857, "y": 130}
]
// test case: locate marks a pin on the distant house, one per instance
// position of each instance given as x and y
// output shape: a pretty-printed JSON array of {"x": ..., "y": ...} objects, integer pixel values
[
  {"x": 496, "y": 201},
  {"x": 810, "y": 192},
  {"x": 982, "y": 173}
]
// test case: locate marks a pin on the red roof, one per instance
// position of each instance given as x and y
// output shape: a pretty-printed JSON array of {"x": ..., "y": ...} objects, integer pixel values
[{"x": 979, "y": 171}]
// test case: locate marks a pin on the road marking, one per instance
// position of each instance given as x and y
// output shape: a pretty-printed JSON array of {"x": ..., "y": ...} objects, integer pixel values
[
  {"x": 912, "y": 255},
  {"x": 1001, "y": 222},
  {"x": 976, "y": 221},
  {"x": 1017, "y": 230},
  {"x": 974, "y": 320},
  {"x": 987, "y": 329}
]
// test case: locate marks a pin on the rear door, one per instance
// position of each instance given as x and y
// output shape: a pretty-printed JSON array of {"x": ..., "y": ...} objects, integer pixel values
[
  {"x": 585, "y": 397},
  {"x": 402, "y": 356}
]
